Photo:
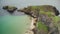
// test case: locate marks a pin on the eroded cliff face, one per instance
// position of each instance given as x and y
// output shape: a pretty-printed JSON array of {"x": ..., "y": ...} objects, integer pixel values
[
  {"x": 47, "y": 25},
  {"x": 44, "y": 23}
]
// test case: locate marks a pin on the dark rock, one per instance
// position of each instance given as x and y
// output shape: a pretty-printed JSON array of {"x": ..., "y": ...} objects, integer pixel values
[{"x": 10, "y": 9}]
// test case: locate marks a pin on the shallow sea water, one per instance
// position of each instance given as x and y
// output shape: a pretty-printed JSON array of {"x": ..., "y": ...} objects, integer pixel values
[{"x": 14, "y": 24}]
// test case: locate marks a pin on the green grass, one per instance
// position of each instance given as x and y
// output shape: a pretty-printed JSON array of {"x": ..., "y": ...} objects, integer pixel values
[
  {"x": 56, "y": 20},
  {"x": 43, "y": 10},
  {"x": 42, "y": 26}
]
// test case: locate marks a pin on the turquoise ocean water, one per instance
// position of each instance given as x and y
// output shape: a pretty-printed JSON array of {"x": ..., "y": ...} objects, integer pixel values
[{"x": 14, "y": 24}]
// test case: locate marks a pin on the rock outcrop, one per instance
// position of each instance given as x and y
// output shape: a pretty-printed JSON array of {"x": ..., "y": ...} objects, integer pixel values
[
  {"x": 44, "y": 18},
  {"x": 10, "y": 9}
]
